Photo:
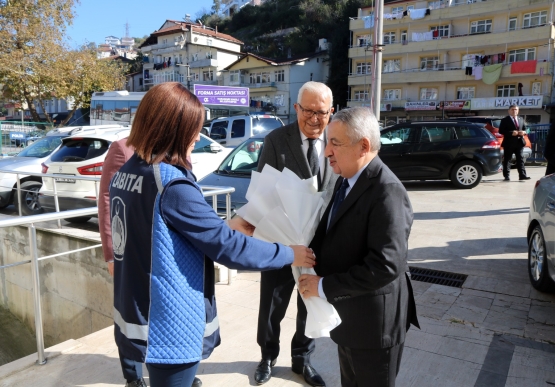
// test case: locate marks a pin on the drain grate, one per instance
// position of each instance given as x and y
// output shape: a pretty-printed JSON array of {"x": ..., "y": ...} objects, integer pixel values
[{"x": 437, "y": 277}]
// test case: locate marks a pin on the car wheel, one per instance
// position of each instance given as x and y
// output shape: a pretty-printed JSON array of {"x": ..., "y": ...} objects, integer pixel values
[
  {"x": 29, "y": 197},
  {"x": 466, "y": 174},
  {"x": 537, "y": 262},
  {"x": 78, "y": 219}
]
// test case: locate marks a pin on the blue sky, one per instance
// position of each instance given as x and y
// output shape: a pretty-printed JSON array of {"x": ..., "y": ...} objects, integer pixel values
[{"x": 96, "y": 19}]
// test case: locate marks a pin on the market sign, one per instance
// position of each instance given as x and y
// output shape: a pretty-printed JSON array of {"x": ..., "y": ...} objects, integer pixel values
[
  {"x": 454, "y": 105},
  {"x": 503, "y": 103},
  {"x": 421, "y": 105},
  {"x": 222, "y": 95}
]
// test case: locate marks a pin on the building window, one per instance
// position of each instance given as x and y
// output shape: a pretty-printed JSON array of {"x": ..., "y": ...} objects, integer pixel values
[
  {"x": 361, "y": 95},
  {"x": 522, "y": 54},
  {"x": 480, "y": 26},
  {"x": 469, "y": 60},
  {"x": 389, "y": 37},
  {"x": 506, "y": 91},
  {"x": 466, "y": 92},
  {"x": 263, "y": 77},
  {"x": 410, "y": 7},
  {"x": 391, "y": 65},
  {"x": 442, "y": 30},
  {"x": 234, "y": 77},
  {"x": 397, "y": 9},
  {"x": 207, "y": 75},
  {"x": 364, "y": 68},
  {"x": 208, "y": 42},
  {"x": 534, "y": 19},
  {"x": 280, "y": 75},
  {"x": 428, "y": 93},
  {"x": 391, "y": 94},
  {"x": 364, "y": 40},
  {"x": 404, "y": 36},
  {"x": 429, "y": 63},
  {"x": 536, "y": 88},
  {"x": 512, "y": 23}
]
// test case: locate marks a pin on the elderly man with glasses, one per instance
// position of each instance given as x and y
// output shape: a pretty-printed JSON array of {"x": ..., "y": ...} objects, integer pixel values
[{"x": 300, "y": 148}]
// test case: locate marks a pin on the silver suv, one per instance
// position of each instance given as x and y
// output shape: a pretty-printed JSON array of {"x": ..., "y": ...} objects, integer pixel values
[{"x": 232, "y": 131}]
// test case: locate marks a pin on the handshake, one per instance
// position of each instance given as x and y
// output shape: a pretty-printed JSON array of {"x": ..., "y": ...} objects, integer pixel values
[{"x": 303, "y": 256}]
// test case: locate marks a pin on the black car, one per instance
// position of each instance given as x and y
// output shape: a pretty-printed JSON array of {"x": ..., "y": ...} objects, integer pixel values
[{"x": 460, "y": 151}]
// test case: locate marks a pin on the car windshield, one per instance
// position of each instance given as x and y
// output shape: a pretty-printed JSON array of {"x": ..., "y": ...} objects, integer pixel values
[
  {"x": 202, "y": 146},
  {"x": 42, "y": 147},
  {"x": 244, "y": 159},
  {"x": 261, "y": 124}
]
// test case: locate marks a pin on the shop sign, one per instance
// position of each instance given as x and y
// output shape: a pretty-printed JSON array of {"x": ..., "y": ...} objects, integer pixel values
[
  {"x": 421, "y": 105},
  {"x": 454, "y": 105},
  {"x": 503, "y": 103},
  {"x": 222, "y": 95}
]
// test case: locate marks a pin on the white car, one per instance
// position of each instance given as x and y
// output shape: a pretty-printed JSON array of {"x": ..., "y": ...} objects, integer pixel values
[
  {"x": 84, "y": 156},
  {"x": 30, "y": 160}
]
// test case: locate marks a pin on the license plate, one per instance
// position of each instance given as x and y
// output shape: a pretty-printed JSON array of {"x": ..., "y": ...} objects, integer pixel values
[{"x": 64, "y": 180}]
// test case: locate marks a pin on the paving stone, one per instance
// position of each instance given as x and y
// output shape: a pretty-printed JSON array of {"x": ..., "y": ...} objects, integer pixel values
[
  {"x": 480, "y": 283},
  {"x": 513, "y": 289}
]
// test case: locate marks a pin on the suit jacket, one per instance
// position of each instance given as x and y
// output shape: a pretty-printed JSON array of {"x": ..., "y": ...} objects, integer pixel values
[
  {"x": 117, "y": 155},
  {"x": 363, "y": 259},
  {"x": 506, "y": 128},
  {"x": 283, "y": 149}
]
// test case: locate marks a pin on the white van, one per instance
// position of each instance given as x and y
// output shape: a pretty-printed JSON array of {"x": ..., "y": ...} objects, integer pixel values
[{"x": 232, "y": 131}]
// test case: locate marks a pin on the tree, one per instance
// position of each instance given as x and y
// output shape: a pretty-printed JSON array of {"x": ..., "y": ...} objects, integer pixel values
[{"x": 217, "y": 7}]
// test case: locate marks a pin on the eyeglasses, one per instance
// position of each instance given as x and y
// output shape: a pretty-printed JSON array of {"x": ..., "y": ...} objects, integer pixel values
[{"x": 307, "y": 113}]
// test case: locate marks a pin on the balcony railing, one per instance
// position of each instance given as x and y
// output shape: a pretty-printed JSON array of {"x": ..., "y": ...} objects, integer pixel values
[{"x": 161, "y": 45}]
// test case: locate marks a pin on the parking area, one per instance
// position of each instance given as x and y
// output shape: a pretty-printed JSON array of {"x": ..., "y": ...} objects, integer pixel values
[{"x": 495, "y": 330}]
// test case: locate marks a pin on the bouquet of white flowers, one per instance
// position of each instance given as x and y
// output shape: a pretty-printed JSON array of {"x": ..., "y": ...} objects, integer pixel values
[{"x": 285, "y": 209}]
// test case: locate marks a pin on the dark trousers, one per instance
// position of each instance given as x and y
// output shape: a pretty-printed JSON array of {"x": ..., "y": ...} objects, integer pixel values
[
  {"x": 369, "y": 367},
  {"x": 507, "y": 155},
  {"x": 276, "y": 287},
  {"x": 550, "y": 168},
  {"x": 172, "y": 375},
  {"x": 132, "y": 370}
]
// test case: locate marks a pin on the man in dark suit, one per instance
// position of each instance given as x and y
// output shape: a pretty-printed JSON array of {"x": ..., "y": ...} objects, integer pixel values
[
  {"x": 513, "y": 128},
  {"x": 361, "y": 247},
  {"x": 300, "y": 148}
]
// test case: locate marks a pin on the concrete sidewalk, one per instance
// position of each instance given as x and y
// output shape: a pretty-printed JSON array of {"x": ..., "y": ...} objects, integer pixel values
[{"x": 494, "y": 331}]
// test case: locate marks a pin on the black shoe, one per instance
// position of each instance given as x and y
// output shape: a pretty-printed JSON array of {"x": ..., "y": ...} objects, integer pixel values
[
  {"x": 524, "y": 178},
  {"x": 310, "y": 375},
  {"x": 196, "y": 382},
  {"x": 136, "y": 383},
  {"x": 263, "y": 371},
  {"x": 506, "y": 179}
]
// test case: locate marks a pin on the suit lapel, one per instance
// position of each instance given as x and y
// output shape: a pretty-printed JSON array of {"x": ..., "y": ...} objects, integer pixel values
[
  {"x": 327, "y": 169},
  {"x": 295, "y": 143},
  {"x": 363, "y": 183}
]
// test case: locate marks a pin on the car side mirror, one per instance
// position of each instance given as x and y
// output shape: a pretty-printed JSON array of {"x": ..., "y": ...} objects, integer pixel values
[{"x": 215, "y": 147}]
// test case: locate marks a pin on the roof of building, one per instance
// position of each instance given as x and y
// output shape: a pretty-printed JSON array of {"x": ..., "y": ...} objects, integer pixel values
[
  {"x": 279, "y": 61},
  {"x": 119, "y": 57}
]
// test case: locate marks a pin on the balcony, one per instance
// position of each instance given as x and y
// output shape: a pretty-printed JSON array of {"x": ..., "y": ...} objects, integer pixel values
[
  {"x": 203, "y": 63},
  {"x": 162, "y": 48},
  {"x": 440, "y": 75},
  {"x": 525, "y": 36}
]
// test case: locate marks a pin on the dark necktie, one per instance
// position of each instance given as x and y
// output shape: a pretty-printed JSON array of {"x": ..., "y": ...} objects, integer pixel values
[
  {"x": 339, "y": 197},
  {"x": 516, "y": 122},
  {"x": 313, "y": 163}
]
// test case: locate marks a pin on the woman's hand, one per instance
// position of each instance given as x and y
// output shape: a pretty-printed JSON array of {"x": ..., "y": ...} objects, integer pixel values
[
  {"x": 303, "y": 256},
  {"x": 239, "y": 224}
]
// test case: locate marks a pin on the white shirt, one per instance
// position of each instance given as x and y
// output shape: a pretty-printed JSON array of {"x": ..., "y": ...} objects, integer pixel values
[
  {"x": 352, "y": 181},
  {"x": 319, "y": 147}
]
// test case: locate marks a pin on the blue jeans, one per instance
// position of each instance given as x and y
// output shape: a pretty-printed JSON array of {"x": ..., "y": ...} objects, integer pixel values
[{"x": 172, "y": 375}]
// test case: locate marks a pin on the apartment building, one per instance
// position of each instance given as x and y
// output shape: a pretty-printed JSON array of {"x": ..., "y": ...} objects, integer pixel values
[
  {"x": 274, "y": 83},
  {"x": 187, "y": 52},
  {"x": 451, "y": 58},
  {"x": 230, "y": 7}
]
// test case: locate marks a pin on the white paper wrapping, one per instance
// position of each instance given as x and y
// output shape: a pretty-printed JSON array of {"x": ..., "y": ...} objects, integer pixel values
[{"x": 284, "y": 209}]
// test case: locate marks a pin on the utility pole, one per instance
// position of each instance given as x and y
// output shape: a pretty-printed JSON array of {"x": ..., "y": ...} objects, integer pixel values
[{"x": 376, "y": 97}]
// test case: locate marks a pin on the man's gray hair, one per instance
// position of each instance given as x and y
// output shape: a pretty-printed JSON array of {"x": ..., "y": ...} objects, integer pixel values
[
  {"x": 361, "y": 123},
  {"x": 316, "y": 88}
]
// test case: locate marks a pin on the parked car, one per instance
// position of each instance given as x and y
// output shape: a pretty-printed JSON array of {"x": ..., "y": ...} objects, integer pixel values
[
  {"x": 462, "y": 152},
  {"x": 22, "y": 139},
  {"x": 235, "y": 171},
  {"x": 232, "y": 131},
  {"x": 30, "y": 160},
  {"x": 492, "y": 123},
  {"x": 541, "y": 235},
  {"x": 84, "y": 156}
]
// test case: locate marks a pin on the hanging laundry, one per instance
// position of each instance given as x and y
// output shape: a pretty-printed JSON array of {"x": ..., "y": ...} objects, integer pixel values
[
  {"x": 525, "y": 66},
  {"x": 428, "y": 12},
  {"x": 491, "y": 74},
  {"x": 435, "y": 34},
  {"x": 494, "y": 59},
  {"x": 477, "y": 72},
  {"x": 468, "y": 71},
  {"x": 417, "y": 13},
  {"x": 405, "y": 13},
  {"x": 502, "y": 57},
  {"x": 368, "y": 21}
]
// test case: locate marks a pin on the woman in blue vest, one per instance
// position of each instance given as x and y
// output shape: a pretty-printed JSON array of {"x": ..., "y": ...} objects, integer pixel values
[{"x": 165, "y": 239}]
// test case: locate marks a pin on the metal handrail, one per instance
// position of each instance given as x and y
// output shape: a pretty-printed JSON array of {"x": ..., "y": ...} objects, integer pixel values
[{"x": 33, "y": 250}]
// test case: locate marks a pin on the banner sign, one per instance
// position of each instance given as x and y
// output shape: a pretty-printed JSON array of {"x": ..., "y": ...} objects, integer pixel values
[
  {"x": 222, "y": 95},
  {"x": 503, "y": 103},
  {"x": 454, "y": 105},
  {"x": 421, "y": 105}
]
